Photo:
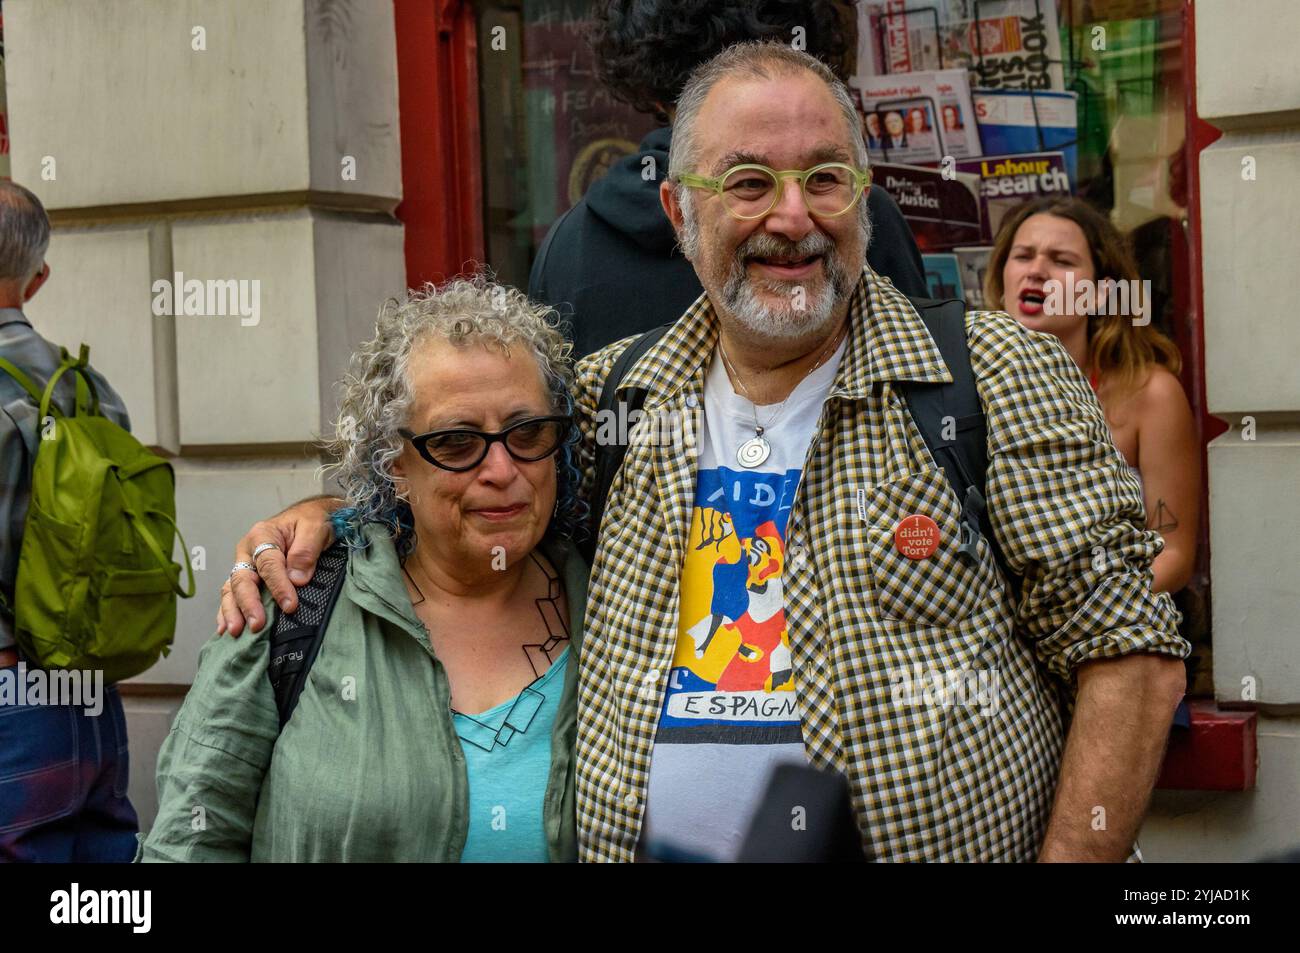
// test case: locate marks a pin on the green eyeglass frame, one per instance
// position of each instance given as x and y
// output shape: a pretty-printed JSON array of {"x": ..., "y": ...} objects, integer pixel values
[{"x": 861, "y": 180}]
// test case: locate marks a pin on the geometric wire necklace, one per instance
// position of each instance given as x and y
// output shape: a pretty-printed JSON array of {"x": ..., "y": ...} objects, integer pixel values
[{"x": 541, "y": 656}]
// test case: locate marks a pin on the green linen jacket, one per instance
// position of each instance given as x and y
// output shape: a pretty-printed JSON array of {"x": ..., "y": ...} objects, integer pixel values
[{"x": 369, "y": 767}]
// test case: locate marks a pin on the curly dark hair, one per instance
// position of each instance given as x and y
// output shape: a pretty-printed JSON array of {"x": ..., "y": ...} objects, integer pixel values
[{"x": 645, "y": 49}]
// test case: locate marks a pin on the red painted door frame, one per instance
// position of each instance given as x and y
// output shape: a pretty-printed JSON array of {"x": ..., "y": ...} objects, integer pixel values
[{"x": 442, "y": 168}]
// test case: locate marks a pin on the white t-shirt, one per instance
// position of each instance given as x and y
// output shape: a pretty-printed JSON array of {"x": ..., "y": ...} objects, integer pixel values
[{"x": 731, "y": 710}]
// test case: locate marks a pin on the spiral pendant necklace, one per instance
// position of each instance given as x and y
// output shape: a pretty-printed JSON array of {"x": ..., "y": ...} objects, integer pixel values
[{"x": 755, "y": 451}]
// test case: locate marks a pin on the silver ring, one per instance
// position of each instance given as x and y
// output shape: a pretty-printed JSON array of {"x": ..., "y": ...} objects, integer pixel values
[
  {"x": 261, "y": 548},
  {"x": 239, "y": 566}
]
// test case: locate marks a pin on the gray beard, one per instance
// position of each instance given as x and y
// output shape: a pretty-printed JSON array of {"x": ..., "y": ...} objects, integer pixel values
[
  {"x": 740, "y": 297},
  {"x": 782, "y": 324}
]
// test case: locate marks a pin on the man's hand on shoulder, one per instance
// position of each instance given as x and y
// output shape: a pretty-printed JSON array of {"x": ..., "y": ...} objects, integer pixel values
[{"x": 297, "y": 536}]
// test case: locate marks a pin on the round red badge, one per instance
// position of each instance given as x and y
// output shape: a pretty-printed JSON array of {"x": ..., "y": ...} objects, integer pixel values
[{"x": 916, "y": 536}]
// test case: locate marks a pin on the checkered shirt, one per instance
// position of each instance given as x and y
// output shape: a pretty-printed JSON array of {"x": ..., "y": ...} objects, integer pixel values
[{"x": 930, "y": 779}]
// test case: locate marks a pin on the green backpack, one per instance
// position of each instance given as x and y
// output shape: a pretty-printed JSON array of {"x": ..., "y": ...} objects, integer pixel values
[{"x": 96, "y": 587}]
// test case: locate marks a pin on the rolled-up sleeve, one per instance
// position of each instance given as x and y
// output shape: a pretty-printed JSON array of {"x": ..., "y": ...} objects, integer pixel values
[
  {"x": 1066, "y": 511},
  {"x": 213, "y": 762}
]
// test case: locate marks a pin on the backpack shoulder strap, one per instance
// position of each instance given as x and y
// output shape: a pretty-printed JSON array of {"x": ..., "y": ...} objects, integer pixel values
[
  {"x": 296, "y": 636},
  {"x": 609, "y": 457},
  {"x": 87, "y": 401},
  {"x": 25, "y": 382},
  {"x": 87, "y": 393},
  {"x": 950, "y": 418}
]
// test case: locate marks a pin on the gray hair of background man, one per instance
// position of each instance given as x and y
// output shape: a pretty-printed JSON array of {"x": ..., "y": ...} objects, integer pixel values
[
  {"x": 24, "y": 233},
  {"x": 753, "y": 59}
]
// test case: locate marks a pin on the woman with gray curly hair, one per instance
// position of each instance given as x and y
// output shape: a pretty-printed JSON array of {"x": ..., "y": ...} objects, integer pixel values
[{"x": 437, "y": 723}]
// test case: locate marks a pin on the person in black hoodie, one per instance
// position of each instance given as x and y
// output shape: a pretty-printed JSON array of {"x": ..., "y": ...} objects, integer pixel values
[{"x": 611, "y": 264}]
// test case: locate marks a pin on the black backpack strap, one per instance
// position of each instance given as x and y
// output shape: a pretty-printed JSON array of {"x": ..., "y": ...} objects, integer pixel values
[
  {"x": 296, "y": 636},
  {"x": 950, "y": 418},
  {"x": 609, "y": 457}
]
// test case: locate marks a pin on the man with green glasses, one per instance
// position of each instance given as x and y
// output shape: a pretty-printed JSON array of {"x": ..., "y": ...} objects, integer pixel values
[
  {"x": 795, "y": 585},
  {"x": 768, "y": 597}
]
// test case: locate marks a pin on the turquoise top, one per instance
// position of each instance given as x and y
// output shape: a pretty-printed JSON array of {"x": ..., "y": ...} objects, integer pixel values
[{"x": 508, "y": 759}]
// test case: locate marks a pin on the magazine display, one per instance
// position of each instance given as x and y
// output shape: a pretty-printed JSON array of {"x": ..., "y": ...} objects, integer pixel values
[
  {"x": 1016, "y": 121},
  {"x": 942, "y": 209},
  {"x": 973, "y": 263},
  {"x": 1005, "y": 44},
  {"x": 942, "y": 276},
  {"x": 1008, "y": 181},
  {"x": 918, "y": 117}
]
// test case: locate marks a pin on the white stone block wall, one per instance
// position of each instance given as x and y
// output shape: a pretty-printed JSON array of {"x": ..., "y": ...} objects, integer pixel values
[
  {"x": 252, "y": 142},
  {"x": 132, "y": 112},
  {"x": 98, "y": 292}
]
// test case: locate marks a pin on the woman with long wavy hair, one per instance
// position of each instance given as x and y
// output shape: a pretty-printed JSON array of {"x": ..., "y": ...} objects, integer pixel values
[{"x": 1059, "y": 266}]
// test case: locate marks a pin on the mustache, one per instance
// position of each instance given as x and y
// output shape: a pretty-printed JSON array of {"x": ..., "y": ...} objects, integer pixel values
[{"x": 766, "y": 245}]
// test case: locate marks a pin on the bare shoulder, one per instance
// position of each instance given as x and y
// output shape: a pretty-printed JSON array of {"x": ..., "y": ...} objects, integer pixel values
[
  {"x": 1162, "y": 393},
  {"x": 1162, "y": 411}
]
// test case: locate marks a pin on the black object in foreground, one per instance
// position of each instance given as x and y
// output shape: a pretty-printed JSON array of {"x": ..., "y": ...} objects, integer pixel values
[{"x": 806, "y": 816}]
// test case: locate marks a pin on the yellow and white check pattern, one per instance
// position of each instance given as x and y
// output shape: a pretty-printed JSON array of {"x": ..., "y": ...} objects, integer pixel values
[{"x": 929, "y": 781}]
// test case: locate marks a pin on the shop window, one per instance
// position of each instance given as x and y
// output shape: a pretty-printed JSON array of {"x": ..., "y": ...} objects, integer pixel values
[
  {"x": 1127, "y": 65},
  {"x": 549, "y": 128}
]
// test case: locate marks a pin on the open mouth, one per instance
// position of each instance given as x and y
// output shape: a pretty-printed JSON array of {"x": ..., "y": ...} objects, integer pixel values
[
  {"x": 788, "y": 266},
  {"x": 1031, "y": 301}
]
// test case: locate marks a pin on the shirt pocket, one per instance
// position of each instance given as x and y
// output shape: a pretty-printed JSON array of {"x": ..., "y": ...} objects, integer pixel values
[{"x": 942, "y": 589}]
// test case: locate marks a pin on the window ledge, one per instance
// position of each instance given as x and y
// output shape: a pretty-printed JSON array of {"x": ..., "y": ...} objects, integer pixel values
[{"x": 1216, "y": 753}]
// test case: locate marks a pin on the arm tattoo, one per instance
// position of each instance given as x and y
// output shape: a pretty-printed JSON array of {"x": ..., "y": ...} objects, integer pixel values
[{"x": 1163, "y": 520}]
